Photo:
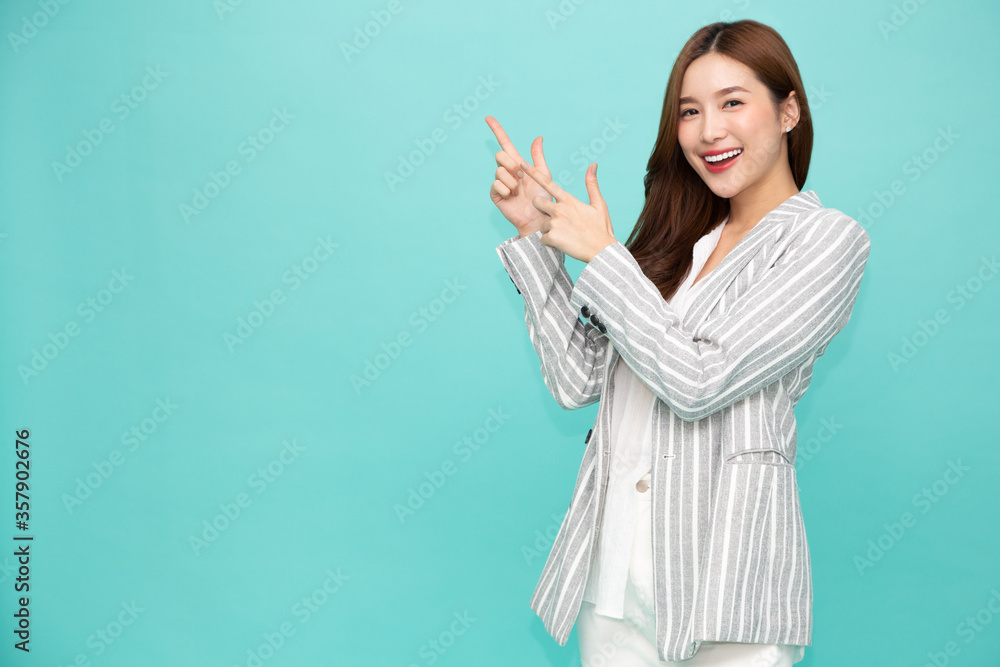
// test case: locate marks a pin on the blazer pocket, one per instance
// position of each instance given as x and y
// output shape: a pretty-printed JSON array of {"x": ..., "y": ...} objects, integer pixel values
[
  {"x": 765, "y": 455},
  {"x": 761, "y": 441}
]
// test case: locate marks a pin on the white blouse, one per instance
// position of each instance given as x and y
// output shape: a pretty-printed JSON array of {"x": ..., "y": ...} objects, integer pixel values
[{"x": 632, "y": 458}]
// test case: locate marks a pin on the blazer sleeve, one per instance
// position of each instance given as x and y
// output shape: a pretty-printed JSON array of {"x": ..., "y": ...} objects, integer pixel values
[
  {"x": 572, "y": 352},
  {"x": 790, "y": 313}
]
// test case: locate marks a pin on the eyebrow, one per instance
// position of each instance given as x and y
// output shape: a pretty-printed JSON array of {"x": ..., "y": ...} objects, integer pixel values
[{"x": 720, "y": 93}]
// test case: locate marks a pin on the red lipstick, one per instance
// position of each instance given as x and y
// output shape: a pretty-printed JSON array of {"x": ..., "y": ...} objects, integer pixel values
[{"x": 721, "y": 166}]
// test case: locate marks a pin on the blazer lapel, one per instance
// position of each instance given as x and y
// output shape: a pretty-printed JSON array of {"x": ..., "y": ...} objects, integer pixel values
[{"x": 746, "y": 249}]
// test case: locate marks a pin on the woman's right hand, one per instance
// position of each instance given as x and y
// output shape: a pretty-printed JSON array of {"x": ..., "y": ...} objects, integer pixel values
[{"x": 512, "y": 193}]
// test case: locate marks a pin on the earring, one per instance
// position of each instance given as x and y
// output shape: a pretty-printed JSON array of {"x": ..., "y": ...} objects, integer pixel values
[{"x": 788, "y": 129}]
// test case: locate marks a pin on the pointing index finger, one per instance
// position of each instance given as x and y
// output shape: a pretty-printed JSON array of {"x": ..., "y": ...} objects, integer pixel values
[
  {"x": 502, "y": 138},
  {"x": 547, "y": 184}
]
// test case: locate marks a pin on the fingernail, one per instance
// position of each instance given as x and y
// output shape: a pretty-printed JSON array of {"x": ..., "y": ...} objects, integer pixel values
[{"x": 520, "y": 174}]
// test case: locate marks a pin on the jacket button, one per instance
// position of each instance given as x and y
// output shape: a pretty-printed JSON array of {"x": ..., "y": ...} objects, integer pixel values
[
  {"x": 602, "y": 328},
  {"x": 595, "y": 320},
  {"x": 587, "y": 439},
  {"x": 515, "y": 284},
  {"x": 585, "y": 311}
]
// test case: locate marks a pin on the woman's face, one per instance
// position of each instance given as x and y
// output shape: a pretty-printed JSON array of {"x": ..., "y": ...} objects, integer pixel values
[{"x": 743, "y": 118}]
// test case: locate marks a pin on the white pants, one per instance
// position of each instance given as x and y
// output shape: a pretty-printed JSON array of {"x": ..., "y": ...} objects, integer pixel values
[{"x": 631, "y": 642}]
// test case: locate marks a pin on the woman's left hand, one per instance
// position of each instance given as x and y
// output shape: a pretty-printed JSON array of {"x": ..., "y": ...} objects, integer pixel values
[{"x": 579, "y": 230}]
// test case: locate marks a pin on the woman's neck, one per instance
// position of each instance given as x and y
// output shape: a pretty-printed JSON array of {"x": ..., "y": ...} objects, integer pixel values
[{"x": 750, "y": 206}]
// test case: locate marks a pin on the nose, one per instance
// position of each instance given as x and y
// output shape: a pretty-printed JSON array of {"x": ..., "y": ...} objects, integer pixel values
[{"x": 712, "y": 127}]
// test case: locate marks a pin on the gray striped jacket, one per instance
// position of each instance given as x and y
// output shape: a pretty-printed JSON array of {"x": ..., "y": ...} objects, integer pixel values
[{"x": 729, "y": 545}]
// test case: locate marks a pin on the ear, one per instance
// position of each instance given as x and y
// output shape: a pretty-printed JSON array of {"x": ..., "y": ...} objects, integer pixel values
[{"x": 790, "y": 111}]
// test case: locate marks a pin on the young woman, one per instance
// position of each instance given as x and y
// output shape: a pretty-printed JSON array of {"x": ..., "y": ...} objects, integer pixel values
[{"x": 684, "y": 537}]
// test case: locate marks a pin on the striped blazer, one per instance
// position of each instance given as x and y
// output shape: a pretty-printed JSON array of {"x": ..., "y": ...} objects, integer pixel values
[{"x": 731, "y": 560}]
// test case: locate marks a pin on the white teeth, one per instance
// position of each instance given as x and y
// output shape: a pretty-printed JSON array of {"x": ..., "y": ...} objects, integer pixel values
[{"x": 723, "y": 156}]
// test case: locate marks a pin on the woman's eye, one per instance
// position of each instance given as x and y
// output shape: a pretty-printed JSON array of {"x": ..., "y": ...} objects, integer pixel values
[{"x": 685, "y": 111}]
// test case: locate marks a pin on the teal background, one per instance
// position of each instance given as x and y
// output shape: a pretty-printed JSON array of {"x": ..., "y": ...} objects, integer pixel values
[{"x": 476, "y": 546}]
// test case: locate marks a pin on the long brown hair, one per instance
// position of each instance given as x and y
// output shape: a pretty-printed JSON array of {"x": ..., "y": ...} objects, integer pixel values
[{"x": 680, "y": 208}]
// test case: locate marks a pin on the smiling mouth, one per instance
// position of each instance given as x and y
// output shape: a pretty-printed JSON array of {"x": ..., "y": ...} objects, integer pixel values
[{"x": 722, "y": 158}]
